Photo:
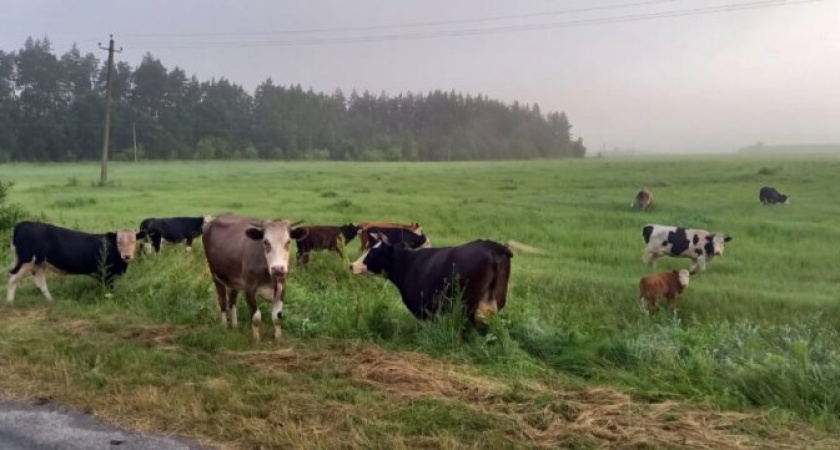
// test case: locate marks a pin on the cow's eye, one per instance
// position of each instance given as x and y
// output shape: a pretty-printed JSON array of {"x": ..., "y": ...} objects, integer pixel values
[{"x": 267, "y": 246}]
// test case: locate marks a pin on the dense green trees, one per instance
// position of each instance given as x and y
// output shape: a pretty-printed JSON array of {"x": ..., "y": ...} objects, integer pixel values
[{"x": 51, "y": 109}]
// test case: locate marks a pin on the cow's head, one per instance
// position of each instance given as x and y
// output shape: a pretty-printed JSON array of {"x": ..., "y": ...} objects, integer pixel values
[
  {"x": 683, "y": 276},
  {"x": 376, "y": 258},
  {"x": 349, "y": 232},
  {"x": 126, "y": 241},
  {"x": 784, "y": 199},
  {"x": 715, "y": 243},
  {"x": 276, "y": 237}
]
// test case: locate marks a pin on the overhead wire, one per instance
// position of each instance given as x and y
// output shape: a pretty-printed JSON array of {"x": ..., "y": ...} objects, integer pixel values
[{"x": 418, "y": 35}]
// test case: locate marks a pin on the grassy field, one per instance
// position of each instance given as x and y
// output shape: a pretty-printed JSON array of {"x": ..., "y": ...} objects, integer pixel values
[{"x": 748, "y": 359}]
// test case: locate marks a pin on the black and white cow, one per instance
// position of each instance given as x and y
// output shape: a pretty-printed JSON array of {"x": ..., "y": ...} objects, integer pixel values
[
  {"x": 172, "y": 229},
  {"x": 770, "y": 196},
  {"x": 429, "y": 278},
  {"x": 38, "y": 246},
  {"x": 699, "y": 245}
]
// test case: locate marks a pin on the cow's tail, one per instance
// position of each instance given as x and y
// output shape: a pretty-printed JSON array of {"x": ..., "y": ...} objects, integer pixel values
[
  {"x": 646, "y": 232},
  {"x": 520, "y": 247}
]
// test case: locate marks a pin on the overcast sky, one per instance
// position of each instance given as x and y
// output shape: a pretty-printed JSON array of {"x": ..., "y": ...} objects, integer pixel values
[{"x": 699, "y": 82}]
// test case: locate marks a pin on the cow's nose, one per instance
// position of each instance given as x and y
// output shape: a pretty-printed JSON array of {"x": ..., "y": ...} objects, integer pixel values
[
  {"x": 126, "y": 258},
  {"x": 278, "y": 271}
]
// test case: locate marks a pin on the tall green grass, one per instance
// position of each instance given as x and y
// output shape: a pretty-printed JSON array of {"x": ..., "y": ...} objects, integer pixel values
[{"x": 759, "y": 329}]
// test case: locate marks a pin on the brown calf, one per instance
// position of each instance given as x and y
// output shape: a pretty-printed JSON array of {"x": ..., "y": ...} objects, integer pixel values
[
  {"x": 643, "y": 200},
  {"x": 414, "y": 227},
  {"x": 659, "y": 285},
  {"x": 324, "y": 238}
]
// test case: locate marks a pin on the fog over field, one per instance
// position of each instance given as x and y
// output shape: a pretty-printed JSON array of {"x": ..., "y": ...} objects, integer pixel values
[{"x": 707, "y": 76}]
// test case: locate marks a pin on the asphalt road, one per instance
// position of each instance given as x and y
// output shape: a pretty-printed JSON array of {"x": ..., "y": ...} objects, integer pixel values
[{"x": 46, "y": 427}]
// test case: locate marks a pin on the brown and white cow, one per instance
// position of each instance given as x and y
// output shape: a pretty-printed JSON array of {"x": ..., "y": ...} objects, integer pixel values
[
  {"x": 249, "y": 255},
  {"x": 698, "y": 245},
  {"x": 665, "y": 285},
  {"x": 414, "y": 227},
  {"x": 643, "y": 200}
]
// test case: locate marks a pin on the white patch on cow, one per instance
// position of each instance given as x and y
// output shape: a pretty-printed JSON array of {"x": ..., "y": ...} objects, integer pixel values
[
  {"x": 40, "y": 278},
  {"x": 148, "y": 247},
  {"x": 427, "y": 244},
  {"x": 256, "y": 321},
  {"x": 276, "y": 243},
  {"x": 358, "y": 266},
  {"x": 14, "y": 279},
  {"x": 232, "y": 319},
  {"x": 276, "y": 313},
  {"x": 684, "y": 276},
  {"x": 189, "y": 249}
]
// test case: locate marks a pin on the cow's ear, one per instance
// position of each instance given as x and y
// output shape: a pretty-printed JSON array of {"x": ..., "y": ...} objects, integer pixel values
[
  {"x": 727, "y": 239},
  {"x": 140, "y": 235},
  {"x": 254, "y": 233},
  {"x": 298, "y": 233}
]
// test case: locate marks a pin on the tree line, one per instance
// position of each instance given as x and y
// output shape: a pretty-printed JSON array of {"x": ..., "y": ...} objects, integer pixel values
[{"x": 51, "y": 109}]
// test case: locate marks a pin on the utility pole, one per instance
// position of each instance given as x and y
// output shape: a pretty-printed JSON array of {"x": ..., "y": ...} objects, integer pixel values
[
  {"x": 134, "y": 138},
  {"x": 106, "y": 138}
]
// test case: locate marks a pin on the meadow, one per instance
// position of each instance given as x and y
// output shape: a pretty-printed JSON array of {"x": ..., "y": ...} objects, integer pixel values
[{"x": 749, "y": 357}]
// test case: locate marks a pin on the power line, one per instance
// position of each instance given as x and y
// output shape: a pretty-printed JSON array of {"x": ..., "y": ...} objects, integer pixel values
[
  {"x": 409, "y": 24},
  {"x": 732, "y": 7}
]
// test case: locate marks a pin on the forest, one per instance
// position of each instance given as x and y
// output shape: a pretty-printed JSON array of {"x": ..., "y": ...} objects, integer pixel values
[{"x": 52, "y": 109}]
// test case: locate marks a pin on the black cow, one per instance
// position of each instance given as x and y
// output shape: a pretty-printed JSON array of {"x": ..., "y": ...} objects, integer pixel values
[
  {"x": 400, "y": 237},
  {"x": 173, "y": 229},
  {"x": 770, "y": 196},
  {"x": 428, "y": 278},
  {"x": 38, "y": 246}
]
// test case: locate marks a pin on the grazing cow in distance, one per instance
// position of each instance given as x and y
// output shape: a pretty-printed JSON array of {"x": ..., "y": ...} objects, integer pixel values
[
  {"x": 38, "y": 246},
  {"x": 250, "y": 255},
  {"x": 400, "y": 237},
  {"x": 662, "y": 285},
  {"x": 643, "y": 200},
  {"x": 698, "y": 245},
  {"x": 173, "y": 229},
  {"x": 770, "y": 196},
  {"x": 414, "y": 227},
  {"x": 322, "y": 237},
  {"x": 429, "y": 279}
]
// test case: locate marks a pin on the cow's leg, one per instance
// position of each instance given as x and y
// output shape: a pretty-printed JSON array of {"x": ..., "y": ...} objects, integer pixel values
[
  {"x": 649, "y": 258},
  {"x": 256, "y": 316},
  {"x": 156, "y": 242},
  {"x": 221, "y": 298},
  {"x": 189, "y": 244},
  {"x": 14, "y": 279},
  {"x": 40, "y": 278},
  {"x": 277, "y": 309},
  {"x": 698, "y": 266},
  {"x": 231, "y": 307}
]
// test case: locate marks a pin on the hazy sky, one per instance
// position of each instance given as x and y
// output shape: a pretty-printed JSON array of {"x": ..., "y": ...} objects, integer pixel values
[{"x": 701, "y": 82}]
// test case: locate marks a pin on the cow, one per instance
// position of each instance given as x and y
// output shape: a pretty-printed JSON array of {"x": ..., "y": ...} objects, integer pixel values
[
  {"x": 322, "y": 237},
  {"x": 40, "y": 246},
  {"x": 643, "y": 200},
  {"x": 400, "y": 237},
  {"x": 172, "y": 229},
  {"x": 428, "y": 279},
  {"x": 770, "y": 196},
  {"x": 662, "y": 285},
  {"x": 414, "y": 227},
  {"x": 699, "y": 245},
  {"x": 249, "y": 255}
]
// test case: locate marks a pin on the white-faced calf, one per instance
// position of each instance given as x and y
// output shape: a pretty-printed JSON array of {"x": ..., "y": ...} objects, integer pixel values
[{"x": 665, "y": 285}]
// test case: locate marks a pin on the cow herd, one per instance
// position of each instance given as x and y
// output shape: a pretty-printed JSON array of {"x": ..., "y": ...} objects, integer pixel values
[
  {"x": 252, "y": 256},
  {"x": 698, "y": 245}
]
